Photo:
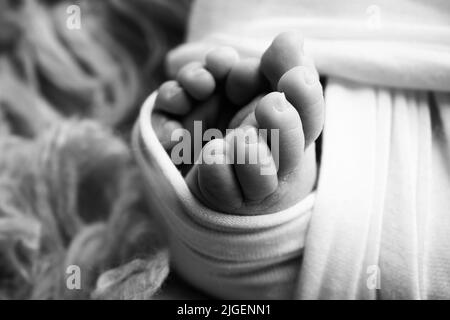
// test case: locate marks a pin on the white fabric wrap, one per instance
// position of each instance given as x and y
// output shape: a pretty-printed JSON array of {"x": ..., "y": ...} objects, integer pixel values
[
  {"x": 380, "y": 222},
  {"x": 225, "y": 255}
]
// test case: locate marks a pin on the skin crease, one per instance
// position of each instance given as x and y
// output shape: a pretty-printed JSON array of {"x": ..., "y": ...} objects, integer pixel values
[{"x": 241, "y": 88}]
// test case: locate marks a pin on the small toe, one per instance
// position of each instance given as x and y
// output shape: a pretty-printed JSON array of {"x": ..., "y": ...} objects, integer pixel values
[
  {"x": 164, "y": 127},
  {"x": 220, "y": 61},
  {"x": 254, "y": 165},
  {"x": 197, "y": 81},
  {"x": 216, "y": 179},
  {"x": 173, "y": 99},
  {"x": 244, "y": 82}
]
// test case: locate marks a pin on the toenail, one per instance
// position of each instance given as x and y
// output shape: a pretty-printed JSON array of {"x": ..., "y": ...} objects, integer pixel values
[
  {"x": 197, "y": 72},
  {"x": 309, "y": 76},
  {"x": 281, "y": 103}
]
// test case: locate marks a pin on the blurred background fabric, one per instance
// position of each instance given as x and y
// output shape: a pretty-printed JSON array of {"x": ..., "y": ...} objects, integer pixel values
[{"x": 70, "y": 193}]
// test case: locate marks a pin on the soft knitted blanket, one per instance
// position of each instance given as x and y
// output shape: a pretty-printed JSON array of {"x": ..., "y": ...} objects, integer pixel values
[
  {"x": 73, "y": 223},
  {"x": 378, "y": 224}
]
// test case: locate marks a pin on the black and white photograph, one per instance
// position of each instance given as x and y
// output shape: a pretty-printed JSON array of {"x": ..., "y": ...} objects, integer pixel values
[{"x": 215, "y": 150}]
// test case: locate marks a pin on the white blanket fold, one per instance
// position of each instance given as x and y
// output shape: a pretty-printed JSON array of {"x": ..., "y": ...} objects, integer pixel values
[
  {"x": 380, "y": 210},
  {"x": 252, "y": 257}
]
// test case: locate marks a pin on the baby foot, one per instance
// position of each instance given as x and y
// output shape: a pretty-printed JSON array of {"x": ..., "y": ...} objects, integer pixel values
[
  {"x": 210, "y": 93},
  {"x": 226, "y": 184},
  {"x": 295, "y": 112},
  {"x": 285, "y": 170}
]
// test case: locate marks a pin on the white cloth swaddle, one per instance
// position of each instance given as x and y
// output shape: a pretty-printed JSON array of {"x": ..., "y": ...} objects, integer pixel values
[
  {"x": 378, "y": 225},
  {"x": 225, "y": 255}
]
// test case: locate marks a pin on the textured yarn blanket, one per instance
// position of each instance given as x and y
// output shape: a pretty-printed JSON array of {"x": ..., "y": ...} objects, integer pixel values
[{"x": 73, "y": 223}]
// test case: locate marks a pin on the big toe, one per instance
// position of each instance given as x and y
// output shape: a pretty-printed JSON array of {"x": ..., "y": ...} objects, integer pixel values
[
  {"x": 244, "y": 81},
  {"x": 303, "y": 90},
  {"x": 285, "y": 53},
  {"x": 284, "y": 131},
  {"x": 197, "y": 81}
]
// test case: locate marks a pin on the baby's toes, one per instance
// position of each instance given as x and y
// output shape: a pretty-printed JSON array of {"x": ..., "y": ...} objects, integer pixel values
[
  {"x": 164, "y": 127},
  {"x": 213, "y": 179},
  {"x": 197, "y": 81},
  {"x": 173, "y": 99},
  {"x": 285, "y": 52},
  {"x": 284, "y": 131},
  {"x": 245, "y": 81},
  {"x": 220, "y": 61},
  {"x": 254, "y": 166},
  {"x": 302, "y": 88}
]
